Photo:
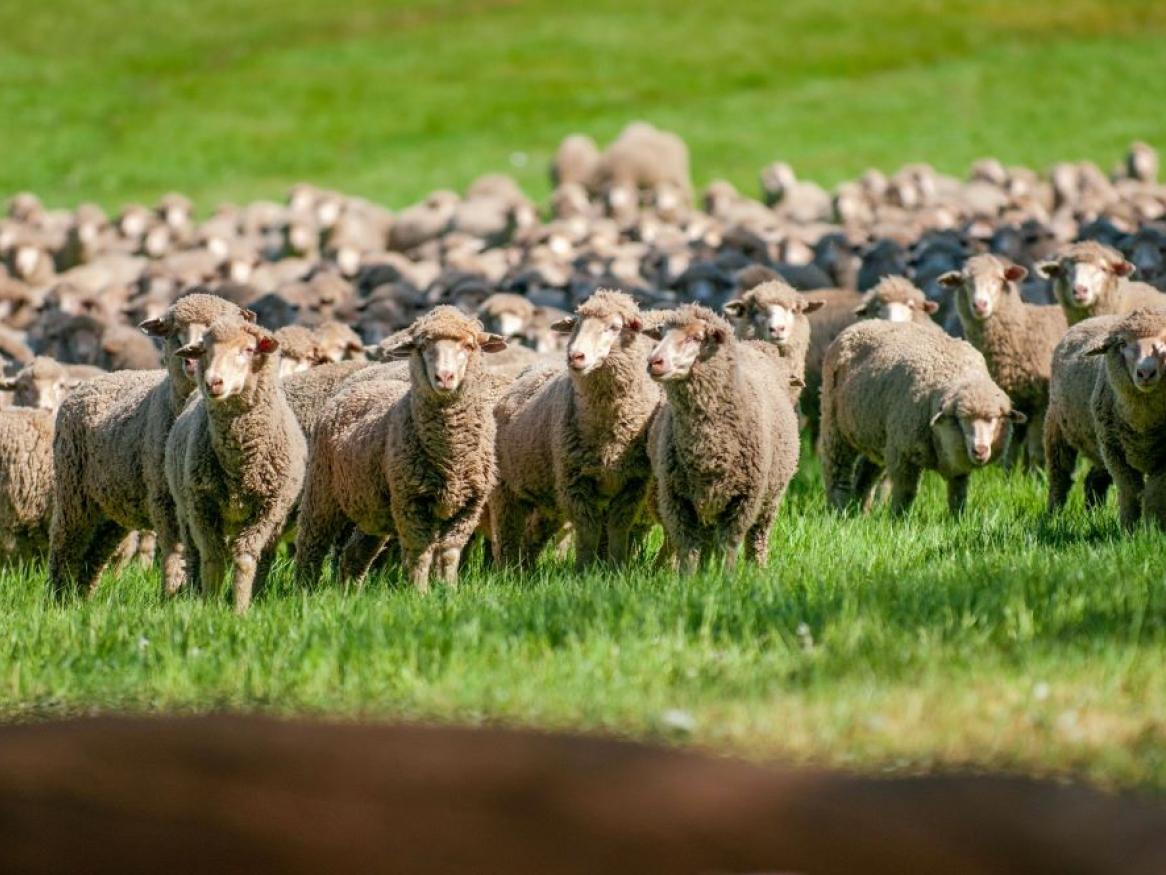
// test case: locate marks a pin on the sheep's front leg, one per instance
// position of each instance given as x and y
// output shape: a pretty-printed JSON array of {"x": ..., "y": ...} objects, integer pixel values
[
  {"x": 248, "y": 548},
  {"x": 625, "y": 522},
  {"x": 419, "y": 563},
  {"x": 957, "y": 494},
  {"x": 581, "y": 500},
  {"x": 1128, "y": 479},
  {"x": 448, "y": 558},
  {"x": 1061, "y": 459},
  {"x": 1154, "y": 499},
  {"x": 212, "y": 574},
  {"x": 904, "y": 485}
]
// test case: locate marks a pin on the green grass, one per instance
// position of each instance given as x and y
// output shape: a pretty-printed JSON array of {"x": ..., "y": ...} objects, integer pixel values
[
  {"x": 236, "y": 99},
  {"x": 1003, "y": 640}
]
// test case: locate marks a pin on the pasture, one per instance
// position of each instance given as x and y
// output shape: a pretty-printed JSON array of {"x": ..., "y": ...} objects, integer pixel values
[{"x": 1001, "y": 640}]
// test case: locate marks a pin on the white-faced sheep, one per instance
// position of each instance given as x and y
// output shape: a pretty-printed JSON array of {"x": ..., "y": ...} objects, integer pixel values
[
  {"x": 905, "y": 398},
  {"x": 1129, "y": 413},
  {"x": 776, "y": 312},
  {"x": 299, "y": 350},
  {"x": 235, "y": 459},
  {"x": 574, "y": 451},
  {"x": 1091, "y": 279},
  {"x": 724, "y": 446},
  {"x": 338, "y": 342},
  {"x": 1017, "y": 339},
  {"x": 109, "y": 454},
  {"x": 411, "y": 461},
  {"x": 897, "y": 299}
]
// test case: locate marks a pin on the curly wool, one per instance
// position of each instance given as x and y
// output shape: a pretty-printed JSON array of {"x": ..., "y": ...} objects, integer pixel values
[
  {"x": 572, "y": 447},
  {"x": 1118, "y": 295},
  {"x": 26, "y": 483},
  {"x": 723, "y": 448}
]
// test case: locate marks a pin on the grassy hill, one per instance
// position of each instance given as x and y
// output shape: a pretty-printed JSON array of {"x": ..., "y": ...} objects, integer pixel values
[{"x": 236, "y": 99}]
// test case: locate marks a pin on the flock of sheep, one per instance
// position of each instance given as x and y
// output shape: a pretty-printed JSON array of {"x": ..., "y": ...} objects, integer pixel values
[{"x": 387, "y": 387}]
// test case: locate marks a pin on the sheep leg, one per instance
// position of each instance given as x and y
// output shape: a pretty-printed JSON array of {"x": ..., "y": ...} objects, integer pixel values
[
  {"x": 1154, "y": 499},
  {"x": 448, "y": 557},
  {"x": 358, "y": 555},
  {"x": 212, "y": 573},
  {"x": 838, "y": 463},
  {"x": 957, "y": 494},
  {"x": 320, "y": 526},
  {"x": 624, "y": 527},
  {"x": 419, "y": 563},
  {"x": 1034, "y": 454},
  {"x": 105, "y": 540},
  {"x": 904, "y": 485},
  {"x": 1097, "y": 483},
  {"x": 1061, "y": 459},
  {"x": 508, "y": 520},
  {"x": 866, "y": 475},
  {"x": 74, "y": 525},
  {"x": 248, "y": 548},
  {"x": 1129, "y": 482}
]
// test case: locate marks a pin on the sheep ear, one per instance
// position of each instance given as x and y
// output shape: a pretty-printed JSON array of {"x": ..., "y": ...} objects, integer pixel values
[
  {"x": 952, "y": 279},
  {"x": 796, "y": 382},
  {"x": 1049, "y": 269},
  {"x": 736, "y": 309},
  {"x": 939, "y": 414},
  {"x": 718, "y": 336},
  {"x": 249, "y": 316},
  {"x": 634, "y": 324},
  {"x": 354, "y": 346},
  {"x": 267, "y": 344},
  {"x": 402, "y": 350},
  {"x": 1017, "y": 417},
  {"x": 656, "y": 332},
  {"x": 1121, "y": 268},
  {"x": 1101, "y": 347},
  {"x": 156, "y": 327},
  {"x": 930, "y": 307},
  {"x": 491, "y": 342},
  {"x": 191, "y": 351},
  {"x": 811, "y": 306},
  {"x": 1014, "y": 273},
  {"x": 565, "y": 325},
  {"x": 861, "y": 309},
  {"x": 7, "y": 384}
]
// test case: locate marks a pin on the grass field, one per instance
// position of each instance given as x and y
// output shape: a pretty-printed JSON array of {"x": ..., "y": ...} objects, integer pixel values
[{"x": 1003, "y": 640}]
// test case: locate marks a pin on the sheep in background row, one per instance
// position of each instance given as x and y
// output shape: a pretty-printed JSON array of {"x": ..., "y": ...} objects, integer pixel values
[
  {"x": 109, "y": 451},
  {"x": 776, "y": 312},
  {"x": 905, "y": 398},
  {"x": 235, "y": 459},
  {"x": 1016, "y": 339},
  {"x": 299, "y": 350},
  {"x": 1091, "y": 279},
  {"x": 411, "y": 461},
  {"x": 725, "y": 445},
  {"x": 573, "y": 450},
  {"x": 42, "y": 384},
  {"x": 897, "y": 299},
  {"x": 1129, "y": 413}
]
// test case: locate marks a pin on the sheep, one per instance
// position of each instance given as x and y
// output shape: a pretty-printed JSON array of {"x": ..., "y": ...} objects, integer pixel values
[
  {"x": 108, "y": 453},
  {"x": 235, "y": 458},
  {"x": 642, "y": 157},
  {"x": 299, "y": 350},
  {"x": 1069, "y": 428},
  {"x": 40, "y": 384},
  {"x": 575, "y": 161},
  {"x": 724, "y": 446},
  {"x": 506, "y": 314},
  {"x": 575, "y": 451},
  {"x": 776, "y": 312},
  {"x": 338, "y": 342},
  {"x": 1017, "y": 339},
  {"x": 309, "y": 391},
  {"x": 1129, "y": 412},
  {"x": 896, "y": 299},
  {"x": 1091, "y": 279},
  {"x": 26, "y": 482},
  {"x": 409, "y": 461},
  {"x": 906, "y": 398},
  {"x": 124, "y": 348}
]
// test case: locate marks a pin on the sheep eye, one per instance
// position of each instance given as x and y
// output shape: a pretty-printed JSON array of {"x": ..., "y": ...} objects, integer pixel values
[{"x": 614, "y": 327}]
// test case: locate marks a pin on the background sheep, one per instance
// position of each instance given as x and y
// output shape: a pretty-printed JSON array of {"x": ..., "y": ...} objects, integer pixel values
[
  {"x": 904, "y": 398},
  {"x": 1091, "y": 279},
  {"x": 574, "y": 450},
  {"x": 775, "y": 312},
  {"x": 235, "y": 458},
  {"x": 724, "y": 446}
]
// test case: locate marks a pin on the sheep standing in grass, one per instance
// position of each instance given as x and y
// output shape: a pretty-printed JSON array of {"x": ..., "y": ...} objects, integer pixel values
[
  {"x": 776, "y": 312},
  {"x": 1129, "y": 413},
  {"x": 1017, "y": 339},
  {"x": 1069, "y": 428},
  {"x": 235, "y": 458},
  {"x": 906, "y": 398},
  {"x": 724, "y": 446},
  {"x": 575, "y": 450},
  {"x": 109, "y": 449},
  {"x": 1091, "y": 279},
  {"x": 411, "y": 461}
]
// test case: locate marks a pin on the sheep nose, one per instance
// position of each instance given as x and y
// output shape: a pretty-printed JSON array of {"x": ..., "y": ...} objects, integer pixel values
[
  {"x": 656, "y": 364},
  {"x": 576, "y": 359},
  {"x": 1146, "y": 373},
  {"x": 981, "y": 452},
  {"x": 1080, "y": 293}
]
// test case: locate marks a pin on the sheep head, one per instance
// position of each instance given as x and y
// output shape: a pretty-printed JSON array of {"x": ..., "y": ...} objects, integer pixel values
[
  {"x": 1084, "y": 273},
  {"x": 895, "y": 299},
  {"x": 606, "y": 321},
  {"x": 1136, "y": 349},
  {"x": 973, "y": 421},
  {"x": 685, "y": 337},
  {"x": 229, "y": 356},
  {"x": 442, "y": 345},
  {"x": 769, "y": 311},
  {"x": 982, "y": 285}
]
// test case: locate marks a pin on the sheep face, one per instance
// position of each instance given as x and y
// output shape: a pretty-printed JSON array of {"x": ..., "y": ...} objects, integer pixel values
[
  {"x": 506, "y": 323},
  {"x": 966, "y": 438},
  {"x": 982, "y": 285},
  {"x": 1080, "y": 282},
  {"x": 594, "y": 337},
  {"x": 680, "y": 348},
  {"x": 228, "y": 357},
  {"x": 444, "y": 357},
  {"x": 43, "y": 388},
  {"x": 289, "y": 365},
  {"x": 896, "y": 311},
  {"x": 1140, "y": 356},
  {"x": 26, "y": 261}
]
